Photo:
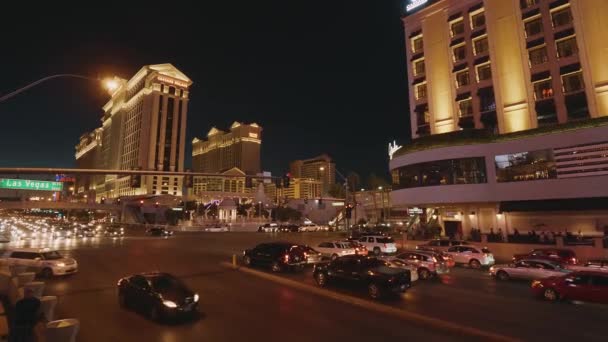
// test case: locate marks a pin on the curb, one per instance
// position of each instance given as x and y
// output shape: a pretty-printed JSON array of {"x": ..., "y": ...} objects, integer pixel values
[{"x": 408, "y": 316}]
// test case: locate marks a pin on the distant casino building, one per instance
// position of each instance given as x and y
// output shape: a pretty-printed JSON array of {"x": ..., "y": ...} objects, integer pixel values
[
  {"x": 320, "y": 168},
  {"x": 222, "y": 151},
  {"x": 509, "y": 106},
  {"x": 143, "y": 127}
]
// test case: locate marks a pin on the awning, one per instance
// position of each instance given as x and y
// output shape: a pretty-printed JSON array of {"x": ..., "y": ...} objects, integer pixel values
[{"x": 567, "y": 204}]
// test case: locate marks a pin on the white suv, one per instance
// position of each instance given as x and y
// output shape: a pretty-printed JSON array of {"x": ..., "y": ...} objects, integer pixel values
[
  {"x": 473, "y": 256},
  {"x": 379, "y": 244},
  {"x": 44, "y": 261}
]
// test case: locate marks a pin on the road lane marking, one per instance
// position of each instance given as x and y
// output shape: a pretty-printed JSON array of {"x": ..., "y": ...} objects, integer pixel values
[{"x": 409, "y": 316}]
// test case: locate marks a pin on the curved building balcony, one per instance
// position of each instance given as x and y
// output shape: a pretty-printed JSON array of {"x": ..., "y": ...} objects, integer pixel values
[{"x": 568, "y": 161}]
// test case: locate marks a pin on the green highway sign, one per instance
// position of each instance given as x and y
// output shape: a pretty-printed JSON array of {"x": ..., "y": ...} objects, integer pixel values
[{"x": 30, "y": 184}]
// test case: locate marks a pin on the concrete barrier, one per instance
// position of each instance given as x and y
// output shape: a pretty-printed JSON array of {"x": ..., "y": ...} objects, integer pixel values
[
  {"x": 37, "y": 288},
  {"x": 63, "y": 330},
  {"x": 48, "y": 305},
  {"x": 26, "y": 277}
]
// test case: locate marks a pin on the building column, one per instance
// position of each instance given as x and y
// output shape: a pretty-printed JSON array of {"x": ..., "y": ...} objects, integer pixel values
[
  {"x": 174, "y": 128},
  {"x": 182, "y": 142},
  {"x": 161, "y": 138}
]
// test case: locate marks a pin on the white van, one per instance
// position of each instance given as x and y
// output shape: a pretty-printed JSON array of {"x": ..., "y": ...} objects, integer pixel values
[{"x": 44, "y": 261}]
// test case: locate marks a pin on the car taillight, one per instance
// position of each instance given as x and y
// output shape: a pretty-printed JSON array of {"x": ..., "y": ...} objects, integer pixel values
[
  {"x": 573, "y": 260},
  {"x": 286, "y": 258},
  {"x": 434, "y": 260}
]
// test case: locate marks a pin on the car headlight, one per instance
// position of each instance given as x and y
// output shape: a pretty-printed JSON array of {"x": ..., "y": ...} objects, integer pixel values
[
  {"x": 61, "y": 264},
  {"x": 492, "y": 269},
  {"x": 537, "y": 283},
  {"x": 169, "y": 304},
  {"x": 196, "y": 297}
]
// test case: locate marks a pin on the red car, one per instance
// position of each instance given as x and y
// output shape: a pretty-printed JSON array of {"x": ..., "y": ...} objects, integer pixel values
[
  {"x": 562, "y": 256},
  {"x": 585, "y": 286}
]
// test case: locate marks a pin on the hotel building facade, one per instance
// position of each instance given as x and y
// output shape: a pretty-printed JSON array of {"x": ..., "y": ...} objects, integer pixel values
[
  {"x": 320, "y": 168},
  {"x": 508, "y": 103},
  {"x": 222, "y": 151},
  {"x": 143, "y": 128}
]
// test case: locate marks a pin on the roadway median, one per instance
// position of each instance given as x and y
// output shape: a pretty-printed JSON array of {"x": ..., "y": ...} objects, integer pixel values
[{"x": 415, "y": 318}]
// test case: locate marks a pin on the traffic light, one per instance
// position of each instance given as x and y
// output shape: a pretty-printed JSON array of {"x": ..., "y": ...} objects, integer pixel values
[
  {"x": 286, "y": 180},
  {"x": 349, "y": 211},
  {"x": 188, "y": 180}
]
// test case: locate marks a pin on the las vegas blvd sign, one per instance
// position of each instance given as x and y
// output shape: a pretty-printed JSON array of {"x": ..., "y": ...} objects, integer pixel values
[{"x": 29, "y": 184}]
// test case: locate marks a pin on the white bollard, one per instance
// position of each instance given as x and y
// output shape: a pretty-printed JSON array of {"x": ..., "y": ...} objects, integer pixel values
[
  {"x": 48, "y": 304},
  {"x": 63, "y": 330}
]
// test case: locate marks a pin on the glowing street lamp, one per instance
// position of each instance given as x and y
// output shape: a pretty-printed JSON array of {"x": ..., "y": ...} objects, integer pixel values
[{"x": 111, "y": 84}]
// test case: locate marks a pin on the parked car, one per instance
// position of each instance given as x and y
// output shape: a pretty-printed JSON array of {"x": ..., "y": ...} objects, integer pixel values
[
  {"x": 373, "y": 274},
  {"x": 441, "y": 245},
  {"x": 159, "y": 231},
  {"x": 278, "y": 256},
  {"x": 159, "y": 296},
  {"x": 335, "y": 249},
  {"x": 528, "y": 269},
  {"x": 289, "y": 228},
  {"x": 591, "y": 265},
  {"x": 379, "y": 244},
  {"x": 426, "y": 263},
  {"x": 309, "y": 227},
  {"x": 475, "y": 257},
  {"x": 560, "y": 255},
  {"x": 43, "y": 261},
  {"x": 585, "y": 286},
  {"x": 216, "y": 229},
  {"x": 397, "y": 263},
  {"x": 359, "y": 248},
  {"x": 114, "y": 231},
  {"x": 268, "y": 228}
]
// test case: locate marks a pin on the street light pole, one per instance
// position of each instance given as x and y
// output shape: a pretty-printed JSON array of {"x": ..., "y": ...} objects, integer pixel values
[{"x": 108, "y": 84}]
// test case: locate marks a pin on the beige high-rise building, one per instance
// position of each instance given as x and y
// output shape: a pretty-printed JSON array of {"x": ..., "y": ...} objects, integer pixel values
[
  {"x": 520, "y": 90},
  {"x": 302, "y": 188},
  {"x": 507, "y": 65},
  {"x": 320, "y": 168},
  {"x": 143, "y": 127},
  {"x": 221, "y": 151}
]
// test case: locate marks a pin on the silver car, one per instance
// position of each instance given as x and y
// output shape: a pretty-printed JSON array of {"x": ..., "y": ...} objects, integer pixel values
[
  {"x": 426, "y": 263},
  {"x": 529, "y": 269}
]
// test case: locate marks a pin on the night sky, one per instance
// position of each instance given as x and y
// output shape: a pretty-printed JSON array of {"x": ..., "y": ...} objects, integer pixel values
[{"x": 318, "y": 76}]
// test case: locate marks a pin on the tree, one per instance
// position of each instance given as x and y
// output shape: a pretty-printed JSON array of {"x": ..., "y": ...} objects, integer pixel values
[
  {"x": 172, "y": 216},
  {"x": 373, "y": 182},
  {"x": 354, "y": 181},
  {"x": 287, "y": 214},
  {"x": 336, "y": 191},
  {"x": 242, "y": 209}
]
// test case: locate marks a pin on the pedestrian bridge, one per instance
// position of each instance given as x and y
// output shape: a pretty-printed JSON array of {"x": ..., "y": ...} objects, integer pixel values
[{"x": 57, "y": 205}]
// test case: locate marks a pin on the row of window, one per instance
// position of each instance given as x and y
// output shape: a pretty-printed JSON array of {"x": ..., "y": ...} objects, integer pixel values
[
  {"x": 571, "y": 83},
  {"x": 560, "y": 17}
]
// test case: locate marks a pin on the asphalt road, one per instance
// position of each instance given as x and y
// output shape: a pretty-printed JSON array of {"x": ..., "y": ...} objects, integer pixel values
[{"x": 238, "y": 306}]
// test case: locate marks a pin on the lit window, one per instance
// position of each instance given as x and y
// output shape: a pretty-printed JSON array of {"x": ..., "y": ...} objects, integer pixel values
[
  {"x": 534, "y": 26},
  {"x": 478, "y": 19},
  {"x": 417, "y": 44},
  {"x": 465, "y": 107},
  {"x": 561, "y": 17},
  {"x": 419, "y": 67},
  {"x": 538, "y": 55},
  {"x": 457, "y": 27},
  {"x": 573, "y": 82},
  {"x": 421, "y": 91},
  {"x": 460, "y": 53},
  {"x": 462, "y": 78},
  {"x": 543, "y": 89},
  {"x": 481, "y": 45},
  {"x": 566, "y": 47},
  {"x": 484, "y": 72}
]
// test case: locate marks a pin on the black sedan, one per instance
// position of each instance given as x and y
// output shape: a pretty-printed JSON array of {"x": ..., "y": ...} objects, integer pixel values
[
  {"x": 278, "y": 255},
  {"x": 362, "y": 271},
  {"x": 159, "y": 296},
  {"x": 159, "y": 231}
]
